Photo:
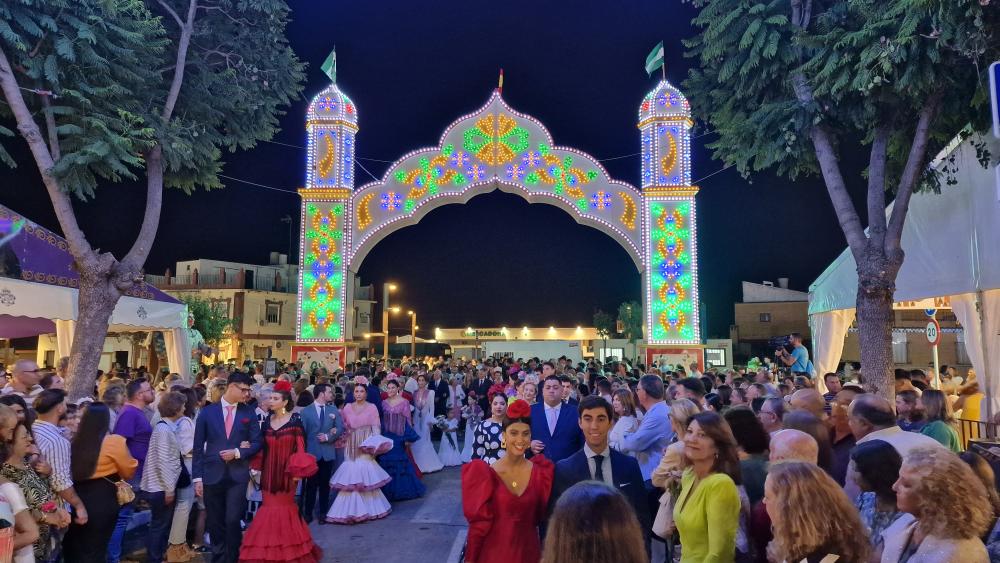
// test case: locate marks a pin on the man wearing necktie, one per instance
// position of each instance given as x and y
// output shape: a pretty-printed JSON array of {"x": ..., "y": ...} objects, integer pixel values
[
  {"x": 323, "y": 424},
  {"x": 596, "y": 461}
]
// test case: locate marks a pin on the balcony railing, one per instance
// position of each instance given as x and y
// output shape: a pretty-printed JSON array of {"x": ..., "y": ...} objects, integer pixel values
[{"x": 225, "y": 280}]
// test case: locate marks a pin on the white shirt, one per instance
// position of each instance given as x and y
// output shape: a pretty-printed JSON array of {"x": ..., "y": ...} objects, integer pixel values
[
  {"x": 552, "y": 416},
  {"x": 605, "y": 463}
]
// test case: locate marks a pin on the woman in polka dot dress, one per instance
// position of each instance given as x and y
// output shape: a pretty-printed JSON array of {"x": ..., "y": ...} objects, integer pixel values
[{"x": 487, "y": 444}]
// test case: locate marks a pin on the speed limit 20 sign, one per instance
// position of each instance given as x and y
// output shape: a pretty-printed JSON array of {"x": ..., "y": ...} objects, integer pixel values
[{"x": 933, "y": 332}]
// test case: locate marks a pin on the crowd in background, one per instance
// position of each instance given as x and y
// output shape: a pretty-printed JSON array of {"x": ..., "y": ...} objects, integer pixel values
[{"x": 757, "y": 464}]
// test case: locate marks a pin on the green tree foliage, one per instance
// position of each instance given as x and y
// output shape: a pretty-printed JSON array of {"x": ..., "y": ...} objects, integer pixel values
[
  {"x": 604, "y": 323},
  {"x": 133, "y": 90},
  {"x": 211, "y": 321},
  {"x": 630, "y": 317},
  {"x": 788, "y": 85}
]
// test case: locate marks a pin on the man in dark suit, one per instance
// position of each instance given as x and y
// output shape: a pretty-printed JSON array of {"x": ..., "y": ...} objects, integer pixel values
[
  {"x": 481, "y": 385},
  {"x": 554, "y": 428},
  {"x": 568, "y": 389},
  {"x": 323, "y": 424},
  {"x": 441, "y": 393},
  {"x": 598, "y": 462},
  {"x": 226, "y": 436}
]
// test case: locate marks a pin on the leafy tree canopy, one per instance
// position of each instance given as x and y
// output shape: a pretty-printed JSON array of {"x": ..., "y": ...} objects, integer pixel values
[
  {"x": 864, "y": 63},
  {"x": 212, "y": 322},
  {"x": 109, "y": 65}
]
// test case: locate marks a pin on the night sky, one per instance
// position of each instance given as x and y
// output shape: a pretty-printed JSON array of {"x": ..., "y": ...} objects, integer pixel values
[{"x": 414, "y": 67}]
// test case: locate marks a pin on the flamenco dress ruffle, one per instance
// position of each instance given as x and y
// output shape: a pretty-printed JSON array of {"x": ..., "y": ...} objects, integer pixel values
[
  {"x": 278, "y": 533},
  {"x": 405, "y": 484}
]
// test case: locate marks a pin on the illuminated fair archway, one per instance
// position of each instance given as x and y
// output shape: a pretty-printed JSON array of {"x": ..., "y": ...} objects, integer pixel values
[{"x": 499, "y": 148}]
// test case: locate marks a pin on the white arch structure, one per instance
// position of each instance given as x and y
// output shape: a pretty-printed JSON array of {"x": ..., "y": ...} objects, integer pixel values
[{"x": 492, "y": 148}]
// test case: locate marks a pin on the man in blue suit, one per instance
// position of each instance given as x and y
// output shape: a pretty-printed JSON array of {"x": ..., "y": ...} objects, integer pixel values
[
  {"x": 226, "y": 436},
  {"x": 598, "y": 462},
  {"x": 554, "y": 429},
  {"x": 323, "y": 425}
]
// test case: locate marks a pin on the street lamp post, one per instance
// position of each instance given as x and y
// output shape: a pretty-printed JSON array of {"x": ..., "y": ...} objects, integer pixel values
[
  {"x": 386, "y": 288},
  {"x": 413, "y": 334}
]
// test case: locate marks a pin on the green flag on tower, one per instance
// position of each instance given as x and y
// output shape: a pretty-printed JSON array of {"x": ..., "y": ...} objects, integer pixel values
[
  {"x": 329, "y": 66},
  {"x": 655, "y": 59}
]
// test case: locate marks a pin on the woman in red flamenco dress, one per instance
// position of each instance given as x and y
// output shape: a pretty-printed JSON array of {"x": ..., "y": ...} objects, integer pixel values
[
  {"x": 278, "y": 532},
  {"x": 505, "y": 503}
]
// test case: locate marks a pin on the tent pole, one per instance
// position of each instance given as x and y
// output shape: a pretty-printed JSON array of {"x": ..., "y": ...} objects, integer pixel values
[{"x": 980, "y": 305}]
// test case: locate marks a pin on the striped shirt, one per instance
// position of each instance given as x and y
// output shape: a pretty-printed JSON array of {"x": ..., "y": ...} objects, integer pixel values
[
  {"x": 163, "y": 459},
  {"x": 55, "y": 447}
]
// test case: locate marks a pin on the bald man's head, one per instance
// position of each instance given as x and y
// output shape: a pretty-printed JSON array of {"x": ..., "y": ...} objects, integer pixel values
[
  {"x": 869, "y": 412},
  {"x": 793, "y": 445},
  {"x": 27, "y": 372},
  {"x": 808, "y": 400}
]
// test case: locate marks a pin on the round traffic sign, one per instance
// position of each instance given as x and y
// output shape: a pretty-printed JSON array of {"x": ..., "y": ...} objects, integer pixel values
[
  {"x": 933, "y": 332},
  {"x": 930, "y": 312}
]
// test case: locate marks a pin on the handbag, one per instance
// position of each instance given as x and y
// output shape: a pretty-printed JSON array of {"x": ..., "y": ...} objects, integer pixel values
[
  {"x": 663, "y": 525},
  {"x": 123, "y": 491},
  {"x": 184, "y": 479}
]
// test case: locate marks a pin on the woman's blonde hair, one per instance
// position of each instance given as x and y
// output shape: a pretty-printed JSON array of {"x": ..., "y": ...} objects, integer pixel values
[
  {"x": 815, "y": 513},
  {"x": 682, "y": 410},
  {"x": 593, "y": 522},
  {"x": 627, "y": 400},
  {"x": 948, "y": 494}
]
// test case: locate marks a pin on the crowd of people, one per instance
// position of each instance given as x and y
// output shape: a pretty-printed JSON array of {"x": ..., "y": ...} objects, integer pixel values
[{"x": 560, "y": 462}]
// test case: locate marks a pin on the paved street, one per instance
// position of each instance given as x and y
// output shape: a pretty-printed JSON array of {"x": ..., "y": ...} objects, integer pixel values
[{"x": 430, "y": 529}]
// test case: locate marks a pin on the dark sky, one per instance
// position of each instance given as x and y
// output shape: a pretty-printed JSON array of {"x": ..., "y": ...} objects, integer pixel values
[{"x": 414, "y": 67}]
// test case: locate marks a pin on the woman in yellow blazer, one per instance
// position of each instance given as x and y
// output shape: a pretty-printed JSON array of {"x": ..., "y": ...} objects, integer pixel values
[{"x": 707, "y": 512}]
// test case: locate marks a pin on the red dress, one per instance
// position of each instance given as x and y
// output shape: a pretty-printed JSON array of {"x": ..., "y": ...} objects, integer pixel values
[
  {"x": 278, "y": 532},
  {"x": 503, "y": 527}
]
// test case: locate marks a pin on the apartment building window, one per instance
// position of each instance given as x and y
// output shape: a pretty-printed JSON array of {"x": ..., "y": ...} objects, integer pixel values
[
  {"x": 900, "y": 347},
  {"x": 220, "y": 305},
  {"x": 273, "y": 312},
  {"x": 961, "y": 353},
  {"x": 765, "y": 317}
]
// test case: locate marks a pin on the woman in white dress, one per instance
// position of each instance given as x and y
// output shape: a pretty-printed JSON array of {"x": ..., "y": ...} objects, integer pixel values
[
  {"x": 626, "y": 421},
  {"x": 473, "y": 415},
  {"x": 423, "y": 418},
  {"x": 456, "y": 395},
  {"x": 448, "y": 450},
  {"x": 359, "y": 478}
]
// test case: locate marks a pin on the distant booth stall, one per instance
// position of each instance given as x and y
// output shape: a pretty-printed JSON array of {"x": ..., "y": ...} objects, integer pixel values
[
  {"x": 950, "y": 240},
  {"x": 39, "y": 295}
]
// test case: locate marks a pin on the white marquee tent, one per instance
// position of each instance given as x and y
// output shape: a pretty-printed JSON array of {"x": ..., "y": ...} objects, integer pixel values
[
  {"x": 39, "y": 295},
  {"x": 951, "y": 242}
]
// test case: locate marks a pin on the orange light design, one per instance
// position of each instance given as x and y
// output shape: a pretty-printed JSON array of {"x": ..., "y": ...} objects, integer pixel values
[
  {"x": 326, "y": 163},
  {"x": 667, "y": 162},
  {"x": 628, "y": 215},
  {"x": 364, "y": 216}
]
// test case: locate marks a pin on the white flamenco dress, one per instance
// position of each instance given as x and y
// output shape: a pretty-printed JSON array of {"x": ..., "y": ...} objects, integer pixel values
[
  {"x": 473, "y": 415},
  {"x": 359, "y": 478},
  {"x": 426, "y": 458},
  {"x": 448, "y": 451}
]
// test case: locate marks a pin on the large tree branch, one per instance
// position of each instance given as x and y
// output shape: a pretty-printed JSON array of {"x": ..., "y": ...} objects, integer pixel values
[
  {"x": 915, "y": 163},
  {"x": 876, "y": 184},
  {"x": 26, "y": 125},
  {"x": 847, "y": 215},
  {"x": 137, "y": 255},
  {"x": 172, "y": 12},
  {"x": 50, "y": 126}
]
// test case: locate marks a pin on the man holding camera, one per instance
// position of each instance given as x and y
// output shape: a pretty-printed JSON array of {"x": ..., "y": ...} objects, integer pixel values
[{"x": 798, "y": 358}]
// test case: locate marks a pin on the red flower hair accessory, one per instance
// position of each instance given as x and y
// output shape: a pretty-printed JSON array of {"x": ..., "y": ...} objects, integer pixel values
[
  {"x": 496, "y": 388},
  {"x": 519, "y": 409},
  {"x": 282, "y": 387}
]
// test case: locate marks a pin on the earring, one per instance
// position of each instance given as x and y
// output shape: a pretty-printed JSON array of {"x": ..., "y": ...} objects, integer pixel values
[{"x": 503, "y": 443}]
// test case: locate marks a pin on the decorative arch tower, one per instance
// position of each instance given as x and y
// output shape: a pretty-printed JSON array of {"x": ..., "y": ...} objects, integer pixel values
[
  {"x": 496, "y": 147},
  {"x": 670, "y": 243},
  {"x": 331, "y": 123}
]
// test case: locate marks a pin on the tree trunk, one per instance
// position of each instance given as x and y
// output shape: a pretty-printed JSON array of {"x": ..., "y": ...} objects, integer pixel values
[
  {"x": 875, "y": 318},
  {"x": 97, "y": 299}
]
